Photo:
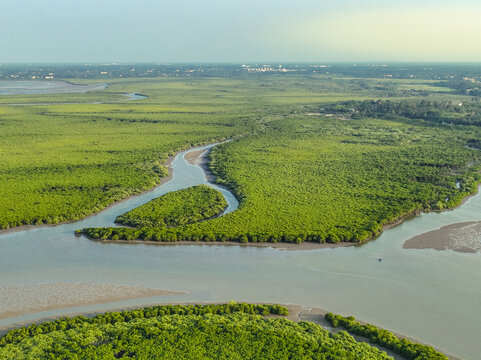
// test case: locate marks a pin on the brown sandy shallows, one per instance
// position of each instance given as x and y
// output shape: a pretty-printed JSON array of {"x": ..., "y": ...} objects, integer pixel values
[
  {"x": 201, "y": 159},
  {"x": 29, "y": 299},
  {"x": 461, "y": 237},
  {"x": 196, "y": 157}
]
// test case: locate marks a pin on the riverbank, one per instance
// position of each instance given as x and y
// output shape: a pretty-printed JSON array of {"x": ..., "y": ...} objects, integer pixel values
[
  {"x": 463, "y": 237},
  {"x": 162, "y": 181},
  {"x": 201, "y": 159},
  {"x": 197, "y": 157},
  {"x": 278, "y": 245}
]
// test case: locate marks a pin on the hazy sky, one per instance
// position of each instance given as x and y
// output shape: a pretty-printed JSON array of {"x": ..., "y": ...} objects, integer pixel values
[{"x": 239, "y": 31}]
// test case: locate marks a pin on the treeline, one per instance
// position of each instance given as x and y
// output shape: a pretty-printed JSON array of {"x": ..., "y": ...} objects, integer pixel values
[
  {"x": 432, "y": 111},
  {"x": 451, "y": 75},
  {"x": 465, "y": 85},
  {"x": 177, "y": 208},
  {"x": 63, "y": 324},
  {"x": 188, "y": 234},
  {"x": 386, "y": 339},
  {"x": 187, "y": 335}
]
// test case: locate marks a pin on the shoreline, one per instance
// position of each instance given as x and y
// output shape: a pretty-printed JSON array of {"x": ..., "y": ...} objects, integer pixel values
[
  {"x": 297, "y": 313},
  {"x": 305, "y": 245},
  {"x": 162, "y": 181},
  {"x": 294, "y": 312},
  {"x": 38, "y": 298},
  {"x": 442, "y": 238},
  {"x": 200, "y": 158}
]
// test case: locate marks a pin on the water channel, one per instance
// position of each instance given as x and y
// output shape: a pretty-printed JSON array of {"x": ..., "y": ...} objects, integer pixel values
[{"x": 433, "y": 296}]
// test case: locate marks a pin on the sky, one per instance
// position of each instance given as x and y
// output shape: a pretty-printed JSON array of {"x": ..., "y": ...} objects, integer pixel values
[{"x": 239, "y": 31}]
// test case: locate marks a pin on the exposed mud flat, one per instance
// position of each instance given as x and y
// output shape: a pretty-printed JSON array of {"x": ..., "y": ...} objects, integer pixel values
[
  {"x": 197, "y": 157},
  {"x": 20, "y": 300},
  {"x": 461, "y": 237}
]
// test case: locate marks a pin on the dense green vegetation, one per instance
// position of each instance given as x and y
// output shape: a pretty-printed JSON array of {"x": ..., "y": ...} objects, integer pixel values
[
  {"x": 387, "y": 339},
  {"x": 184, "y": 332},
  {"x": 17, "y": 335},
  {"x": 434, "y": 111},
  {"x": 299, "y": 176},
  {"x": 177, "y": 208},
  {"x": 327, "y": 180},
  {"x": 63, "y": 162}
]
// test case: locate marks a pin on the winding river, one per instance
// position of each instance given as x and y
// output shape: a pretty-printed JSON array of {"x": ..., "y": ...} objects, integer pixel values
[{"x": 433, "y": 296}]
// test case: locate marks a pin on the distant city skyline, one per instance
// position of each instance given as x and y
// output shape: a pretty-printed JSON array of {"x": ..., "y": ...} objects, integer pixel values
[{"x": 222, "y": 31}]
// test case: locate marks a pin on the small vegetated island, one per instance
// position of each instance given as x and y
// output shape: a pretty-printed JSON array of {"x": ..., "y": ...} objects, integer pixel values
[
  {"x": 180, "y": 207},
  {"x": 229, "y": 331}
]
